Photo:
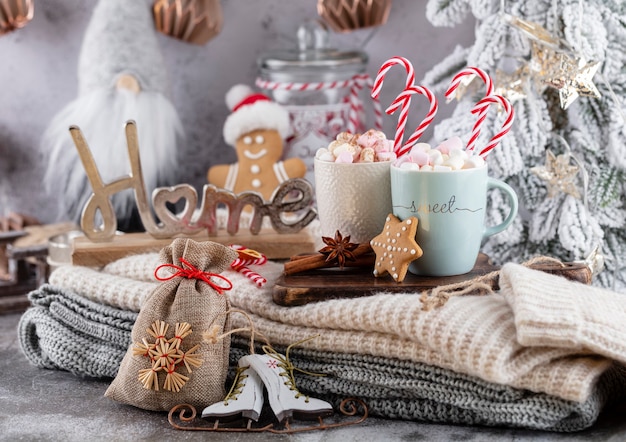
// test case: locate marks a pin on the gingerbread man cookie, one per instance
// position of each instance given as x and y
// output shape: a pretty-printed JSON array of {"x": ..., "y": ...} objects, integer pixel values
[{"x": 256, "y": 128}]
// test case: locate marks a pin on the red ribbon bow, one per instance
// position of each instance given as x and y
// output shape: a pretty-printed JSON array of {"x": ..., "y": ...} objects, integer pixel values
[{"x": 191, "y": 272}]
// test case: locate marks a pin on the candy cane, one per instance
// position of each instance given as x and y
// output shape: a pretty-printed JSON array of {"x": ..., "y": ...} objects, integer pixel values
[
  {"x": 400, "y": 100},
  {"x": 245, "y": 258},
  {"x": 410, "y": 79},
  {"x": 456, "y": 81},
  {"x": 482, "y": 107}
]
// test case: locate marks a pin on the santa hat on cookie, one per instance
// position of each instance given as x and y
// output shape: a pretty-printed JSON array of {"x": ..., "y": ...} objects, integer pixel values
[{"x": 252, "y": 111}]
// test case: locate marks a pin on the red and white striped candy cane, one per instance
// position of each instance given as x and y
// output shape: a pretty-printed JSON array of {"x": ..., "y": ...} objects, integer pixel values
[
  {"x": 356, "y": 83},
  {"x": 410, "y": 80},
  {"x": 482, "y": 107},
  {"x": 401, "y": 99},
  {"x": 247, "y": 257},
  {"x": 456, "y": 81},
  {"x": 257, "y": 279}
]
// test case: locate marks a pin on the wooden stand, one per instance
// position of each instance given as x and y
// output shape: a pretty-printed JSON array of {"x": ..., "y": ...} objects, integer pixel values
[{"x": 271, "y": 244}]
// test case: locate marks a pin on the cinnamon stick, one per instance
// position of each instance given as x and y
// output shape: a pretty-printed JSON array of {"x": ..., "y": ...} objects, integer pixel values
[{"x": 303, "y": 263}]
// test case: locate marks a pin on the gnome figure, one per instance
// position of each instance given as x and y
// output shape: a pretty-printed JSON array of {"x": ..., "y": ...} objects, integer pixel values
[
  {"x": 121, "y": 75},
  {"x": 256, "y": 128}
]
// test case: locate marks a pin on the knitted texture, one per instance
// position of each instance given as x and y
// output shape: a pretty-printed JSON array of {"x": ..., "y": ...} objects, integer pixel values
[
  {"x": 407, "y": 390},
  {"x": 471, "y": 335},
  {"x": 574, "y": 316},
  {"x": 65, "y": 331},
  {"x": 391, "y": 388},
  {"x": 115, "y": 291},
  {"x": 138, "y": 267}
]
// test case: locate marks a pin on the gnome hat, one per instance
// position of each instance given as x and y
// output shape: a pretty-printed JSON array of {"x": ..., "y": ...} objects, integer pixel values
[
  {"x": 252, "y": 111},
  {"x": 121, "y": 39}
]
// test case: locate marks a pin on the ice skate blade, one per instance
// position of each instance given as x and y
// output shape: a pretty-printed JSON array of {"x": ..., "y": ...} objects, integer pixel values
[{"x": 351, "y": 412}]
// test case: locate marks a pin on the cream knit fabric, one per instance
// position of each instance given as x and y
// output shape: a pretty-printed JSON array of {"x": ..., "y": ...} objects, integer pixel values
[
  {"x": 553, "y": 312},
  {"x": 472, "y": 335},
  {"x": 112, "y": 290}
]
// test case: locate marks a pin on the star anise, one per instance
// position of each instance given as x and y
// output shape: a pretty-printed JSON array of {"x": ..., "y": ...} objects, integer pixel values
[{"x": 338, "y": 248}]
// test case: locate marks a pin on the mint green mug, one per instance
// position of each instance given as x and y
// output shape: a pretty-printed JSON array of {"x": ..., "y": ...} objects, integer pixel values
[{"x": 450, "y": 207}]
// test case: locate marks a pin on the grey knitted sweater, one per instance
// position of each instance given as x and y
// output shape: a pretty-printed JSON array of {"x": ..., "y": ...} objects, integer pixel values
[
  {"x": 398, "y": 389},
  {"x": 63, "y": 330}
]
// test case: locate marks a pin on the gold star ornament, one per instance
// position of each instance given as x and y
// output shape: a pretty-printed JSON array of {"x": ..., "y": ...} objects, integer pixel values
[
  {"x": 395, "y": 247},
  {"x": 512, "y": 86},
  {"x": 558, "y": 174},
  {"x": 573, "y": 77}
]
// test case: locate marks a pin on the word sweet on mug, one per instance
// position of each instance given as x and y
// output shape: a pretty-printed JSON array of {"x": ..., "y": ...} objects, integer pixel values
[{"x": 437, "y": 207}]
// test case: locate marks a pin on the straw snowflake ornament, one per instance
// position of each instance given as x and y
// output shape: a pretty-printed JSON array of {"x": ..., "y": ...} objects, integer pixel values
[{"x": 166, "y": 356}]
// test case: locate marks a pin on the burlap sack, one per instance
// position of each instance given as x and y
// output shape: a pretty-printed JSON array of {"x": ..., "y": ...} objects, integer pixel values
[{"x": 150, "y": 375}]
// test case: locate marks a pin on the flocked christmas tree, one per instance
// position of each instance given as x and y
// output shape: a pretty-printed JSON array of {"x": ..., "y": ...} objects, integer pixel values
[{"x": 562, "y": 65}]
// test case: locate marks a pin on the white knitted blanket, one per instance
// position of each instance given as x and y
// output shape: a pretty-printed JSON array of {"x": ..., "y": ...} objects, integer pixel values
[{"x": 540, "y": 332}]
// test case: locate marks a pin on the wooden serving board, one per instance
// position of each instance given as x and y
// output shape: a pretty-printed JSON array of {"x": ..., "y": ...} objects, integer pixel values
[{"x": 350, "y": 282}]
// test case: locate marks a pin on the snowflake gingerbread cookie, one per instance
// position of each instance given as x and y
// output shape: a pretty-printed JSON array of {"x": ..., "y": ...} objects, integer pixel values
[{"x": 256, "y": 128}]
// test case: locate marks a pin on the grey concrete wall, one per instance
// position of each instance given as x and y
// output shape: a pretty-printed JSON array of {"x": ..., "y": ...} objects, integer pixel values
[{"x": 38, "y": 66}]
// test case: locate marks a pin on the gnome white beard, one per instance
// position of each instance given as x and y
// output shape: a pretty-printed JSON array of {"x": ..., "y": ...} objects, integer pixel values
[{"x": 101, "y": 116}]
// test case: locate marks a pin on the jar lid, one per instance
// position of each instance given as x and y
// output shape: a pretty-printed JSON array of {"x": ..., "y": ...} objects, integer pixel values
[{"x": 312, "y": 60}]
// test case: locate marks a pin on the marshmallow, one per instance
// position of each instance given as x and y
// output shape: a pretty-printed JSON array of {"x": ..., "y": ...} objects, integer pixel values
[
  {"x": 455, "y": 162},
  {"x": 347, "y": 137},
  {"x": 347, "y": 147},
  {"x": 321, "y": 152},
  {"x": 450, "y": 144},
  {"x": 386, "y": 156},
  {"x": 367, "y": 155},
  {"x": 419, "y": 156},
  {"x": 424, "y": 147},
  {"x": 371, "y": 138},
  {"x": 352, "y": 149},
  {"x": 447, "y": 156},
  {"x": 473, "y": 162},
  {"x": 345, "y": 157},
  {"x": 334, "y": 145},
  {"x": 459, "y": 153},
  {"x": 326, "y": 156},
  {"x": 435, "y": 157},
  {"x": 407, "y": 165}
]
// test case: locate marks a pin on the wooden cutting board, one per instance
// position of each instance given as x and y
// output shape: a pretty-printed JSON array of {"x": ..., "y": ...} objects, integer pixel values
[{"x": 350, "y": 282}]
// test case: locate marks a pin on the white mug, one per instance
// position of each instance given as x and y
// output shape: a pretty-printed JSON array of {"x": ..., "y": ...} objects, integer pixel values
[{"x": 352, "y": 198}]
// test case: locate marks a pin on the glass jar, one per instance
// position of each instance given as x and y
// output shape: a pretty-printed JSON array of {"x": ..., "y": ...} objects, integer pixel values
[{"x": 318, "y": 86}]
